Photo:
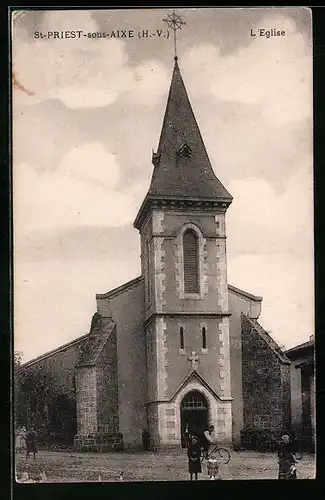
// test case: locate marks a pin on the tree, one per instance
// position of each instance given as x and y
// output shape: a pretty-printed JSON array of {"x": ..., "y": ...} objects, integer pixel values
[{"x": 40, "y": 401}]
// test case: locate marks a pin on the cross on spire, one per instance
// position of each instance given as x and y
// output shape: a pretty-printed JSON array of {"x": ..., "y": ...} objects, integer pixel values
[
  {"x": 193, "y": 358},
  {"x": 175, "y": 23}
]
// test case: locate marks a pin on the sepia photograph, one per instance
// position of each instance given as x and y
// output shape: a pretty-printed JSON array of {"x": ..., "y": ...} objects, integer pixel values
[{"x": 163, "y": 244}]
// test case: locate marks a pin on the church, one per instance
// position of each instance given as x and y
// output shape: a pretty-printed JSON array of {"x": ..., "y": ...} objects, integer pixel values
[{"x": 177, "y": 346}]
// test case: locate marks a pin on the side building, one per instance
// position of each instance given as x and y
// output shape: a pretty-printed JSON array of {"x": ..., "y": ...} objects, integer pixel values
[{"x": 303, "y": 392}]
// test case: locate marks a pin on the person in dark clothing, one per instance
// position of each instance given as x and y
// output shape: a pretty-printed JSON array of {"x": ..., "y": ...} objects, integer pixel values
[
  {"x": 205, "y": 437},
  {"x": 286, "y": 459},
  {"x": 186, "y": 436},
  {"x": 145, "y": 439},
  {"x": 194, "y": 457},
  {"x": 31, "y": 443}
]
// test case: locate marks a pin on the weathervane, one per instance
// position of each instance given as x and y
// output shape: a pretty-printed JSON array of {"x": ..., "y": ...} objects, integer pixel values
[{"x": 175, "y": 23}]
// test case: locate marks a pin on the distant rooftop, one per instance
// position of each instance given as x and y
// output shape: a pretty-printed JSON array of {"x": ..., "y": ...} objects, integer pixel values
[{"x": 301, "y": 347}]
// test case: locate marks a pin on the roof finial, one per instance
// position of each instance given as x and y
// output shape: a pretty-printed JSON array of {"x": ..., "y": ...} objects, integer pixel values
[{"x": 175, "y": 23}]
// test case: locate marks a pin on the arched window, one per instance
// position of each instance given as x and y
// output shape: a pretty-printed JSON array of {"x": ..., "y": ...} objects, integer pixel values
[
  {"x": 181, "y": 337},
  {"x": 191, "y": 262},
  {"x": 204, "y": 338},
  {"x": 194, "y": 400}
]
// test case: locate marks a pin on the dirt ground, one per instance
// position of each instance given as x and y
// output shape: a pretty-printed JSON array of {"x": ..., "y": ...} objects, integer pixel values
[{"x": 61, "y": 467}]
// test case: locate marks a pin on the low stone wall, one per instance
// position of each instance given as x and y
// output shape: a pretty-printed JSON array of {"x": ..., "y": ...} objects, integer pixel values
[
  {"x": 99, "y": 443},
  {"x": 259, "y": 439}
]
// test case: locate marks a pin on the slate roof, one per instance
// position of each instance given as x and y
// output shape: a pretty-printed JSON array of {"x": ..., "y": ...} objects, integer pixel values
[
  {"x": 78, "y": 340},
  {"x": 268, "y": 339},
  {"x": 135, "y": 281},
  {"x": 248, "y": 295},
  {"x": 101, "y": 329},
  {"x": 181, "y": 176},
  {"x": 300, "y": 347}
]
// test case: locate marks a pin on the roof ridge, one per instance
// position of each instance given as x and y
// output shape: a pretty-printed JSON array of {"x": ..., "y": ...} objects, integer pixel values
[
  {"x": 243, "y": 292},
  {"x": 54, "y": 351},
  {"x": 308, "y": 343},
  {"x": 121, "y": 288}
]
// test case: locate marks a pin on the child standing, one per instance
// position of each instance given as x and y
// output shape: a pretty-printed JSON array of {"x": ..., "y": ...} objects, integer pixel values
[
  {"x": 213, "y": 468},
  {"x": 286, "y": 459},
  {"x": 194, "y": 457}
]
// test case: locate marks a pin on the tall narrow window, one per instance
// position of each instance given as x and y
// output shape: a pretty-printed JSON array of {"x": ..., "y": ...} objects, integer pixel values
[
  {"x": 181, "y": 337},
  {"x": 191, "y": 262},
  {"x": 204, "y": 338}
]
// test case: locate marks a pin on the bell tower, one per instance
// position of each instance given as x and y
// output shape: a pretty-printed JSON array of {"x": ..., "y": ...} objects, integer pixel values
[{"x": 183, "y": 256}]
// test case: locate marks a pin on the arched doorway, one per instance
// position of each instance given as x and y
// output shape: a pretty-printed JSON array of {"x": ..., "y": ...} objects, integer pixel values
[
  {"x": 63, "y": 421},
  {"x": 194, "y": 413}
]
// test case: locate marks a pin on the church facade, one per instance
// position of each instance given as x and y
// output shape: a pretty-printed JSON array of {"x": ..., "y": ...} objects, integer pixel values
[{"x": 177, "y": 346}]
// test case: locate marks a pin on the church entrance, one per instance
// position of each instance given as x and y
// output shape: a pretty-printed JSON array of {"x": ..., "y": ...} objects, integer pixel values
[{"x": 194, "y": 413}]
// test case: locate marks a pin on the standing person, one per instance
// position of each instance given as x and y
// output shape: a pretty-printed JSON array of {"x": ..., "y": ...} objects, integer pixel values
[
  {"x": 207, "y": 439},
  {"x": 186, "y": 436},
  {"x": 20, "y": 439},
  {"x": 194, "y": 457},
  {"x": 146, "y": 439},
  {"x": 31, "y": 443},
  {"x": 286, "y": 459}
]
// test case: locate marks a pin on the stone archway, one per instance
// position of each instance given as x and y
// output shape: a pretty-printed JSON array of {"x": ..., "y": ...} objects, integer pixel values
[{"x": 194, "y": 412}]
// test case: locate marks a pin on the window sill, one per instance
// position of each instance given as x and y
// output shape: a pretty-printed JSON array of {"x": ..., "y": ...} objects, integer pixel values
[
  {"x": 204, "y": 351},
  {"x": 182, "y": 351}
]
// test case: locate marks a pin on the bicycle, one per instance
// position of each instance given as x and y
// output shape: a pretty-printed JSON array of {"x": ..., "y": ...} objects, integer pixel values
[{"x": 223, "y": 455}]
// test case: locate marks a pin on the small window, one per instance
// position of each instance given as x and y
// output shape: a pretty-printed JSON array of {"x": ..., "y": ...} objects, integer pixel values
[
  {"x": 204, "y": 338},
  {"x": 181, "y": 337},
  {"x": 185, "y": 150}
]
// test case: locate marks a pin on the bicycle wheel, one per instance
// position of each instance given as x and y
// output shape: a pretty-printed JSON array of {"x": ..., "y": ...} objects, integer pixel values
[{"x": 223, "y": 455}]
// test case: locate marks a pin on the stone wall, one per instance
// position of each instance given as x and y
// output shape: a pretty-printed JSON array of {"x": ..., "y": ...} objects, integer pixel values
[
  {"x": 238, "y": 303},
  {"x": 128, "y": 313},
  {"x": 107, "y": 387},
  {"x": 286, "y": 395},
  {"x": 54, "y": 388},
  {"x": 97, "y": 395},
  {"x": 266, "y": 395},
  {"x": 60, "y": 364},
  {"x": 86, "y": 394}
]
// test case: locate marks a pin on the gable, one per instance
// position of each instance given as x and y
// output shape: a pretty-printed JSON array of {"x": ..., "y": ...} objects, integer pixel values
[
  {"x": 194, "y": 376},
  {"x": 99, "y": 334}
]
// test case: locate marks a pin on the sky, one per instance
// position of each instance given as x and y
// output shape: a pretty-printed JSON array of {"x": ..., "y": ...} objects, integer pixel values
[{"x": 87, "y": 114}]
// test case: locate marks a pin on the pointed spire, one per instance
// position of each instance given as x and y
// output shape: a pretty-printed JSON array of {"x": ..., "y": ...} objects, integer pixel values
[
  {"x": 182, "y": 169},
  {"x": 189, "y": 175}
]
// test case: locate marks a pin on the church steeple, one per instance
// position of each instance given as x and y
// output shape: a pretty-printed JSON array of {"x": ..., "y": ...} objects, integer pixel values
[{"x": 182, "y": 169}]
